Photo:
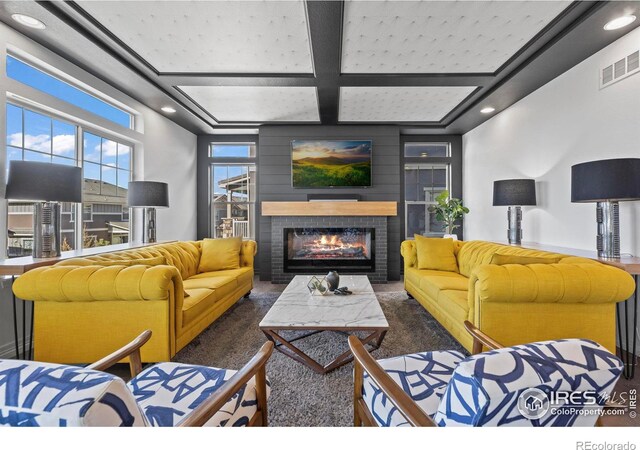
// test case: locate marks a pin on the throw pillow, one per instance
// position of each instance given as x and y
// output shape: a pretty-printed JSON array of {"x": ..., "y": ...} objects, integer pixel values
[
  {"x": 501, "y": 260},
  {"x": 220, "y": 254},
  {"x": 436, "y": 254}
]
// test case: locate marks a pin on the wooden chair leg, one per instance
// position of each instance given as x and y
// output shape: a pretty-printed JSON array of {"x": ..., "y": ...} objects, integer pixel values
[
  {"x": 261, "y": 393},
  {"x": 358, "y": 374}
]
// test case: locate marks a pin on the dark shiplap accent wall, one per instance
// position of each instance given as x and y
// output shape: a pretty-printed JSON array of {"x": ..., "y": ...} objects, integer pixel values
[{"x": 274, "y": 178}]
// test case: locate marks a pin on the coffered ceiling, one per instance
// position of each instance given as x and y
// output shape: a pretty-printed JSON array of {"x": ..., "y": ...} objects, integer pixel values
[
  {"x": 428, "y": 66},
  {"x": 439, "y": 36}
]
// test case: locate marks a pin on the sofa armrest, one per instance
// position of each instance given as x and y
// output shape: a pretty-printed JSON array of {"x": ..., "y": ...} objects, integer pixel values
[
  {"x": 98, "y": 283},
  {"x": 550, "y": 283},
  {"x": 248, "y": 250},
  {"x": 409, "y": 253}
]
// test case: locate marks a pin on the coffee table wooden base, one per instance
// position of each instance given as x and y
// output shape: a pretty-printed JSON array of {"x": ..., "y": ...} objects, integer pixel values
[{"x": 286, "y": 347}]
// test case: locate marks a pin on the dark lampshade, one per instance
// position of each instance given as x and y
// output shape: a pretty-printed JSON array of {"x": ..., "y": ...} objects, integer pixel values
[
  {"x": 148, "y": 194},
  {"x": 44, "y": 182},
  {"x": 608, "y": 179},
  {"x": 519, "y": 192}
]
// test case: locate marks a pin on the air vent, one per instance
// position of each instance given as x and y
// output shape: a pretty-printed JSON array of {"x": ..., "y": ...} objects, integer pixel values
[{"x": 620, "y": 69}]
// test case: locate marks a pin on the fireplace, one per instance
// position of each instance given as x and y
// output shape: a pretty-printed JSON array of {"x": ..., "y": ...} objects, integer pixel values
[{"x": 309, "y": 250}]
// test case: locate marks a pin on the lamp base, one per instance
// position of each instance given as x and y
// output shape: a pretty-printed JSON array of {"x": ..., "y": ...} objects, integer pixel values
[
  {"x": 46, "y": 229},
  {"x": 514, "y": 216},
  {"x": 608, "y": 239},
  {"x": 149, "y": 232}
]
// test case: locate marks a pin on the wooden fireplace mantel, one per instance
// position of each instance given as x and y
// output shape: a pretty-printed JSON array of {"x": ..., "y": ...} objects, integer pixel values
[{"x": 330, "y": 208}]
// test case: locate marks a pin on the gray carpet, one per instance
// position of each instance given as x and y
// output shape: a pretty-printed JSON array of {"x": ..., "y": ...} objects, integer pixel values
[{"x": 299, "y": 396}]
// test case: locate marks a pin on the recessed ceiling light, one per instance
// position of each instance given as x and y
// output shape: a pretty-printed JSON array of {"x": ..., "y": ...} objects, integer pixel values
[
  {"x": 619, "y": 22},
  {"x": 487, "y": 110},
  {"x": 168, "y": 109},
  {"x": 28, "y": 21}
]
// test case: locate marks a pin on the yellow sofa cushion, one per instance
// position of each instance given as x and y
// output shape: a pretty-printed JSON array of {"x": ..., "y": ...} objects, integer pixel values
[
  {"x": 500, "y": 259},
  {"x": 244, "y": 275},
  {"x": 433, "y": 284},
  {"x": 436, "y": 254},
  {"x": 454, "y": 304},
  {"x": 197, "y": 303},
  {"x": 224, "y": 285},
  {"x": 220, "y": 254}
]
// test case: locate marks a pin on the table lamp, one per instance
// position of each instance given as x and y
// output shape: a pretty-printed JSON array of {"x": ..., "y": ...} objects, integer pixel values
[
  {"x": 606, "y": 182},
  {"x": 148, "y": 195},
  {"x": 514, "y": 194},
  {"x": 46, "y": 185}
]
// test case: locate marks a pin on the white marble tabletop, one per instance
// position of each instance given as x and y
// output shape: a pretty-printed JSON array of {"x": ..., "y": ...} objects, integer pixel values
[{"x": 297, "y": 308}]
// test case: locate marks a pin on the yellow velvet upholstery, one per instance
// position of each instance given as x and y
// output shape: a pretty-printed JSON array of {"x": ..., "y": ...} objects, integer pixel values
[
  {"x": 518, "y": 303},
  {"x": 87, "y": 310},
  {"x": 501, "y": 260},
  {"x": 220, "y": 254},
  {"x": 436, "y": 254}
]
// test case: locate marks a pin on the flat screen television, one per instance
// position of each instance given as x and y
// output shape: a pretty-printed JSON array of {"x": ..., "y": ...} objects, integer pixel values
[{"x": 330, "y": 164}]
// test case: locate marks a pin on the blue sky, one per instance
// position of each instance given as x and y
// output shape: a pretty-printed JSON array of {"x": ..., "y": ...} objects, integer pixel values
[{"x": 30, "y": 76}]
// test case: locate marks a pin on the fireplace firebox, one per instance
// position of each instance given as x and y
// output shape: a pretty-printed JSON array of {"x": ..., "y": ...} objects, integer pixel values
[{"x": 308, "y": 250}]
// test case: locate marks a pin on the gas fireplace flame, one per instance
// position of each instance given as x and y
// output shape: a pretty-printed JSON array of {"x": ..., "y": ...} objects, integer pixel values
[{"x": 330, "y": 246}]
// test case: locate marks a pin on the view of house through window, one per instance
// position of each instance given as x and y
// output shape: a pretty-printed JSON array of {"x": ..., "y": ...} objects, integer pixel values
[
  {"x": 233, "y": 190},
  {"x": 422, "y": 184},
  {"x": 233, "y": 200},
  {"x": 107, "y": 172},
  {"x": 106, "y": 164},
  {"x": 36, "y": 137}
]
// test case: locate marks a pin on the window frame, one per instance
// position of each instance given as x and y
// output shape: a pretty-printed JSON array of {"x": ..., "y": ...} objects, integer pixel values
[
  {"x": 80, "y": 130},
  {"x": 235, "y": 144},
  {"x": 427, "y": 157},
  {"x": 419, "y": 166},
  {"x": 62, "y": 77},
  {"x": 253, "y": 204}
]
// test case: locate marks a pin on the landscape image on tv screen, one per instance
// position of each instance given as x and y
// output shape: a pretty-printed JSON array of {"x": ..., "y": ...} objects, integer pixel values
[{"x": 318, "y": 164}]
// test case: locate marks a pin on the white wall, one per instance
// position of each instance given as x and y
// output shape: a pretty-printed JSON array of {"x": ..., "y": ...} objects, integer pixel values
[
  {"x": 567, "y": 121},
  {"x": 163, "y": 151},
  {"x": 170, "y": 156}
]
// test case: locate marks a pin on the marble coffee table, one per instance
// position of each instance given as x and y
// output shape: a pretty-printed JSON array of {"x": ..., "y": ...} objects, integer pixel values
[{"x": 296, "y": 309}]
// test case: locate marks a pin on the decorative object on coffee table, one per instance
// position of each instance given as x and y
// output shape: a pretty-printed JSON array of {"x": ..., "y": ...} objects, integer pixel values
[
  {"x": 447, "y": 211},
  {"x": 47, "y": 185},
  {"x": 295, "y": 311},
  {"x": 318, "y": 286},
  {"x": 606, "y": 182},
  {"x": 148, "y": 195},
  {"x": 514, "y": 193},
  {"x": 333, "y": 279}
]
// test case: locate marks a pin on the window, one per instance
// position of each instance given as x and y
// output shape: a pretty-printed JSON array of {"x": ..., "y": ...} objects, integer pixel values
[
  {"x": 233, "y": 150},
  {"x": 423, "y": 183},
  {"x": 233, "y": 188},
  {"x": 37, "y": 79},
  {"x": 35, "y": 137},
  {"x": 427, "y": 149},
  {"x": 107, "y": 172}
]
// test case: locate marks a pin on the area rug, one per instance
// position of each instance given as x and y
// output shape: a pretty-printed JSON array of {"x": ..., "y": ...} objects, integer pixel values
[{"x": 299, "y": 396}]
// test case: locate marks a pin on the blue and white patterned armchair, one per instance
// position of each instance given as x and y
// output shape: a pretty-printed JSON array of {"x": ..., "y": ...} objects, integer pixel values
[
  {"x": 554, "y": 383},
  {"x": 167, "y": 394}
]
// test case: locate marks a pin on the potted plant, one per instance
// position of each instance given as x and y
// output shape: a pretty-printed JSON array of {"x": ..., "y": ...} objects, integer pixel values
[{"x": 447, "y": 211}]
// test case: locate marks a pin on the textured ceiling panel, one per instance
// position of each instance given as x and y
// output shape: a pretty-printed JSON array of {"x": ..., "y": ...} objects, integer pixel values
[
  {"x": 439, "y": 36},
  {"x": 257, "y": 104},
  {"x": 399, "y": 104},
  {"x": 206, "y": 36}
]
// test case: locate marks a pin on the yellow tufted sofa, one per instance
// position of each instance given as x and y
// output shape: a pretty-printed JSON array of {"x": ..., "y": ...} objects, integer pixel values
[
  {"x": 515, "y": 303},
  {"x": 86, "y": 307}
]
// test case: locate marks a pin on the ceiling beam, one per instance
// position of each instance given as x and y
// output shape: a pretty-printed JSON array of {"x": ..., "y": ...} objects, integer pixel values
[{"x": 325, "y": 35}]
